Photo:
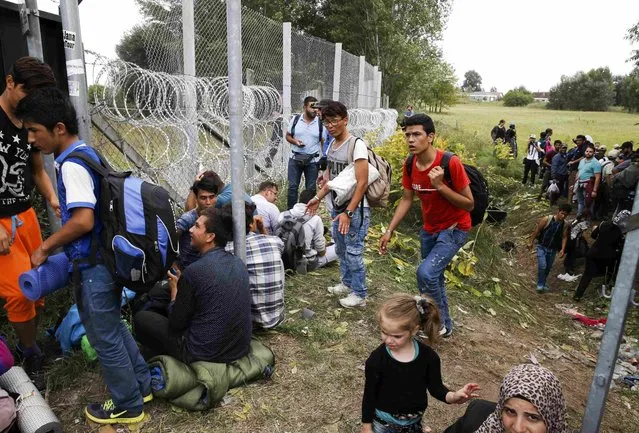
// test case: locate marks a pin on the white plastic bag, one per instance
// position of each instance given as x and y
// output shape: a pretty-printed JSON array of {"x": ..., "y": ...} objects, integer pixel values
[
  {"x": 553, "y": 188},
  {"x": 344, "y": 184}
]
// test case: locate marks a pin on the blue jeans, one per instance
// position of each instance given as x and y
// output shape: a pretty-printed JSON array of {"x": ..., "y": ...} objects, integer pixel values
[
  {"x": 295, "y": 170},
  {"x": 545, "y": 258},
  {"x": 581, "y": 203},
  {"x": 438, "y": 249},
  {"x": 125, "y": 371},
  {"x": 350, "y": 250}
]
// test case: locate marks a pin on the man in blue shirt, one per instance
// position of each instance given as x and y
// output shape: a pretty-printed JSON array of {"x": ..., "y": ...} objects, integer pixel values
[
  {"x": 305, "y": 134},
  {"x": 559, "y": 169},
  {"x": 53, "y": 128},
  {"x": 588, "y": 178}
]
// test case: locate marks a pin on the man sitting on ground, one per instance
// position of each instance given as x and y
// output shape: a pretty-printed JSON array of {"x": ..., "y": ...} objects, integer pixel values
[
  {"x": 265, "y": 202},
  {"x": 205, "y": 191},
  {"x": 265, "y": 269},
  {"x": 316, "y": 252},
  {"x": 209, "y": 316}
]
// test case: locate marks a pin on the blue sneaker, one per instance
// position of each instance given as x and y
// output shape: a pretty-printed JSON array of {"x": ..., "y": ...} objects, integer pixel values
[{"x": 108, "y": 413}]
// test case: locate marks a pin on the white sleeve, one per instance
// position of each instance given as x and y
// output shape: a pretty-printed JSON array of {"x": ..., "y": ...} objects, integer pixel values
[
  {"x": 360, "y": 151},
  {"x": 79, "y": 186}
]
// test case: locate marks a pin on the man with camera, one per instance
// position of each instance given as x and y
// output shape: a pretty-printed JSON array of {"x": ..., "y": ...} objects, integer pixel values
[{"x": 305, "y": 134}]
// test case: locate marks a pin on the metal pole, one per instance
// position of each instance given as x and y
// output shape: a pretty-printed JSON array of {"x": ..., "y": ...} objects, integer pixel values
[
  {"x": 361, "y": 83},
  {"x": 76, "y": 75},
  {"x": 190, "y": 97},
  {"x": 613, "y": 333},
  {"x": 234, "y": 47},
  {"x": 379, "y": 89},
  {"x": 286, "y": 71},
  {"x": 34, "y": 45},
  {"x": 337, "y": 71}
]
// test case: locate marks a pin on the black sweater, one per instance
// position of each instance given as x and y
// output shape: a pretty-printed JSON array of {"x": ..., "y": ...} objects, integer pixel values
[
  {"x": 400, "y": 387},
  {"x": 213, "y": 308}
]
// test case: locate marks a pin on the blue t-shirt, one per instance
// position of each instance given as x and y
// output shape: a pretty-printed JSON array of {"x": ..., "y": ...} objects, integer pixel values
[
  {"x": 309, "y": 134},
  {"x": 225, "y": 197},
  {"x": 588, "y": 169},
  {"x": 78, "y": 187}
]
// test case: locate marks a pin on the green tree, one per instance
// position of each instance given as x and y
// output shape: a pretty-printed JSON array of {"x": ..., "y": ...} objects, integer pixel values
[
  {"x": 633, "y": 37},
  {"x": 585, "y": 91},
  {"x": 472, "y": 81},
  {"x": 518, "y": 97},
  {"x": 628, "y": 91}
]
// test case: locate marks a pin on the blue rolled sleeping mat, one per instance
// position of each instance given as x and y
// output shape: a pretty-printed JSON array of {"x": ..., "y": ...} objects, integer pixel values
[{"x": 50, "y": 276}]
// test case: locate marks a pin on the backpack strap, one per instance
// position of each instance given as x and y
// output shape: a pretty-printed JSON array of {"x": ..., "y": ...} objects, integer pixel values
[
  {"x": 321, "y": 129},
  {"x": 351, "y": 148},
  {"x": 295, "y": 120},
  {"x": 409, "y": 165},
  {"x": 444, "y": 164},
  {"x": 102, "y": 168}
]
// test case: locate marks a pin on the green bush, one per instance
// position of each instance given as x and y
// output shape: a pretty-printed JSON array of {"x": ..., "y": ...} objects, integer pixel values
[{"x": 519, "y": 97}]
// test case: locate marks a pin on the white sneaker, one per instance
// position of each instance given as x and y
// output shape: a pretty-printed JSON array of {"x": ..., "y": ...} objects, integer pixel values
[
  {"x": 352, "y": 301},
  {"x": 339, "y": 289}
]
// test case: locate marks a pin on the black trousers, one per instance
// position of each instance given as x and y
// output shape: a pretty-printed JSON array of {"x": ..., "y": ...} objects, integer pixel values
[
  {"x": 595, "y": 267},
  {"x": 531, "y": 167},
  {"x": 153, "y": 332}
]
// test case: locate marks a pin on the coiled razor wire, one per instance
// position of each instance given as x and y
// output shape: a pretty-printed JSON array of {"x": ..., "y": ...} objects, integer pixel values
[{"x": 150, "y": 111}]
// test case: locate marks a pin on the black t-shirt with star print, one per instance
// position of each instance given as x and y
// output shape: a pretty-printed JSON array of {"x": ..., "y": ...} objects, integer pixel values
[{"x": 16, "y": 182}]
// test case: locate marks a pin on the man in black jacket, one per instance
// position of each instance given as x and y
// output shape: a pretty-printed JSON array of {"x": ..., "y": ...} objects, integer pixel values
[
  {"x": 498, "y": 131},
  {"x": 209, "y": 317}
]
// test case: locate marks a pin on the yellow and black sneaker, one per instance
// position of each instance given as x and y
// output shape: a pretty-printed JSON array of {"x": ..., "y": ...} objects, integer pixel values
[
  {"x": 108, "y": 413},
  {"x": 147, "y": 398}
]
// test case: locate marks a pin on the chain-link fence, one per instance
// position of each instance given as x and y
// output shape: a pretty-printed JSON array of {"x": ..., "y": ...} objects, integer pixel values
[{"x": 143, "y": 122}]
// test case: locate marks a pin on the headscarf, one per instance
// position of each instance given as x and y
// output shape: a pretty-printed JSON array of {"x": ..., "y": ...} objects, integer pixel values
[{"x": 537, "y": 385}]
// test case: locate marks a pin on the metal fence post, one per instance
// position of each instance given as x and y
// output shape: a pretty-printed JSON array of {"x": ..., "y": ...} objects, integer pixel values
[
  {"x": 286, "y": 71},
  {"x": 361, "y": 91},
  {"x": 73, "y": 52},
  {"x": 378, "y": 93},
  {"x": 337, "y": 70},
  {"x": 234, "y": 46},
  {"x": 622, "y": 295},
  {"x": 190, "y": 96},
  {"x": 34, "y": 45}
]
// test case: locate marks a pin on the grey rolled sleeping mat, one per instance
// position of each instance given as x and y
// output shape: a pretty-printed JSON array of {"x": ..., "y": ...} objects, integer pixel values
[{"x": 34, "y": 414}]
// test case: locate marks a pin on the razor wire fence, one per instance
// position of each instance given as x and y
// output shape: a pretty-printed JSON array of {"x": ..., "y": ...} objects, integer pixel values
[{"x": 143, "y": 118}]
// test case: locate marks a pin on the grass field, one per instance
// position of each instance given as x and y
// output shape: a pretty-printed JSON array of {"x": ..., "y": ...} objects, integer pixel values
[
  {"x": 479, "y": 118},
  {"x": 499, "y": 319}
]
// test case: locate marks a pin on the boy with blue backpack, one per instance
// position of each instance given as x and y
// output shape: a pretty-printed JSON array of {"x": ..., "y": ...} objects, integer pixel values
[{"x": 52, "y": 127}]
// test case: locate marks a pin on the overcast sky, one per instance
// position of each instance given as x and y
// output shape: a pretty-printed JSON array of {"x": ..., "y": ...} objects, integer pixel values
[{"x": 509, "y": 42}]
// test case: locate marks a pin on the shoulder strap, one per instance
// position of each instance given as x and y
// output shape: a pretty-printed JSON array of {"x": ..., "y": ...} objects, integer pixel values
[
  {"x": 351, "y": 148},
  {"x": 409, "y": 165},
  {"x": 295, "y": 120},
  {"x": 548, "y": 221},
  {"x": 444, "y": 164},
  {"x": 100, "y": 168},
  {"x": 321, "y": 129}
]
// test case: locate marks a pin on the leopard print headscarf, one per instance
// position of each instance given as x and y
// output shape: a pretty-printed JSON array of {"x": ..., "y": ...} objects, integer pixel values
[{"x": 537, "y": 385}]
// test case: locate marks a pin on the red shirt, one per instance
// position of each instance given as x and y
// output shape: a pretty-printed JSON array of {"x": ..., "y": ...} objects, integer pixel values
[{"x": 438, "y": 213}]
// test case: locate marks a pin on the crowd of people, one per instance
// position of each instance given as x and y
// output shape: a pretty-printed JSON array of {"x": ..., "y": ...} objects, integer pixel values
[
  {"x": 601, "y": 184},
  {"x": 211, "y": 302}
]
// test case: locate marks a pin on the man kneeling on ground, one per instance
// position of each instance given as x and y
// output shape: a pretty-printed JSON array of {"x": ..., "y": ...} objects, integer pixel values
[
  {"x": 209, "y": 317},
  {"x": 265, "y": 269},
  {"x": 315, "y": 250}
]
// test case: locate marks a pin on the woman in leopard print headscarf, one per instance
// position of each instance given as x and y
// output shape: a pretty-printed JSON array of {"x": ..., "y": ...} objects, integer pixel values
[{"x": 533, "y": 384}]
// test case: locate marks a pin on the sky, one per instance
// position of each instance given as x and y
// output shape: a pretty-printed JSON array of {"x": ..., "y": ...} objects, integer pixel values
[
  {"x": 508, "y": 42},
  {"x": 534, "y": 42}
]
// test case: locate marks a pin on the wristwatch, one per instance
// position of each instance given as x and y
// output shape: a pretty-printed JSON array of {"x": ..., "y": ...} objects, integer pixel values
[{"x": 349, "y": 213}]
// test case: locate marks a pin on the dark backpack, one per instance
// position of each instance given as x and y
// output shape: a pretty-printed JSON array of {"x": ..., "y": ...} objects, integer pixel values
[
  {"x": 297, "y": 119},
  {"x": 139, "y": 240},
  {"x": 291, "y": 232},
  {"x": 478, "y": 185}
]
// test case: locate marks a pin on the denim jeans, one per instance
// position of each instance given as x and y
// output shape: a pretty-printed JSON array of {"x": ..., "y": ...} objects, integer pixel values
[
  {"x": 545, "y": 258},
  {"x": 295, "y": 170},
  {"x": 350, "y": 250},
  {"x": 125, "y": 371},
  {"x": 438, "y": 249}
]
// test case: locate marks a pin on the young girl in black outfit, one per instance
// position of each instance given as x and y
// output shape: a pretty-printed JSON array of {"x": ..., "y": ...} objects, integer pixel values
[{"x": 401, "y": 369}]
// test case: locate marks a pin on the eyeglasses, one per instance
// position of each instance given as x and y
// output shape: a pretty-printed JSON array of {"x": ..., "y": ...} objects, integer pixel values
[{"x": 331, "y": 122}]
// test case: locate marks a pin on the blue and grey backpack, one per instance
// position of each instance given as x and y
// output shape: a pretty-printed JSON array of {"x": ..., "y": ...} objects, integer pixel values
[{"x": 139, "y": 240}]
